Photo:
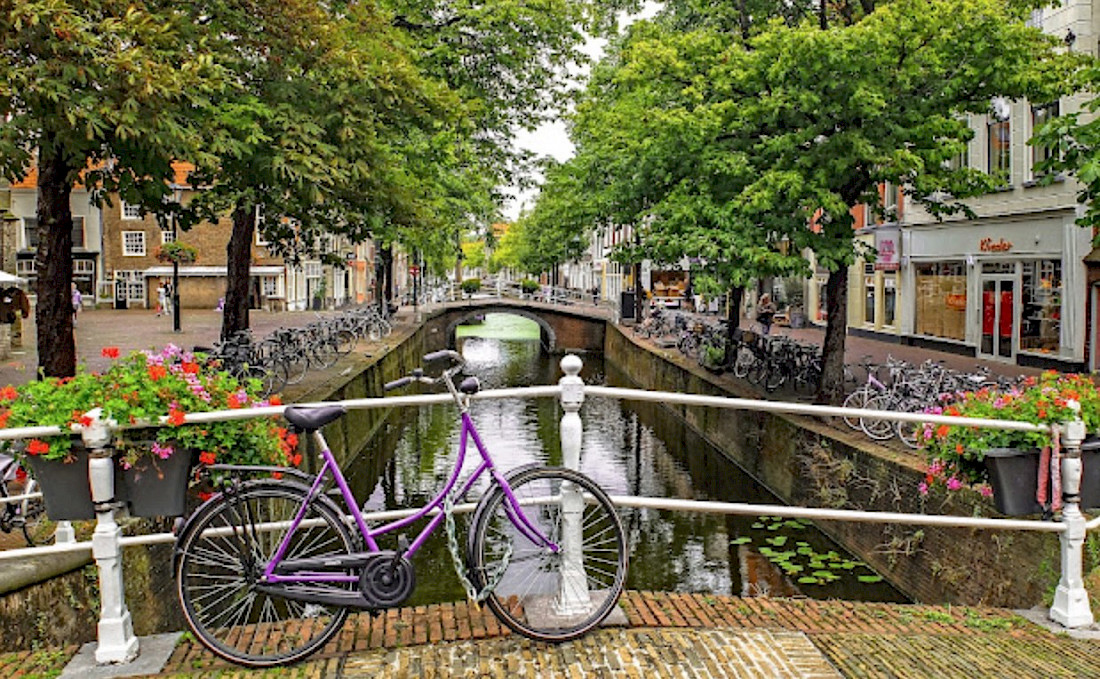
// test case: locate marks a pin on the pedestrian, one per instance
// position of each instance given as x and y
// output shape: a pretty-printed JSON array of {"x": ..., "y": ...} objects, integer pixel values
[
  {"x": 77, "y": 300},
  {"x": 596, "y": 294},
  {"x": 765, "y": 312},
  {"x": 162, "y": 298}
]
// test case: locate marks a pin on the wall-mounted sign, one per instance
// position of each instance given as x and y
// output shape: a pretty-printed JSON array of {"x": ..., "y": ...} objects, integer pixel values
[
  {"x": 887, "y": 243},
  {"x": 990, "y": 245},
  {"x": 956, "y": 302}
]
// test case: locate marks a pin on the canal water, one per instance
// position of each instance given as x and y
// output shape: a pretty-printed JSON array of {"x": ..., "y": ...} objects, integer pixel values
[{"x": 629, "y": 449}]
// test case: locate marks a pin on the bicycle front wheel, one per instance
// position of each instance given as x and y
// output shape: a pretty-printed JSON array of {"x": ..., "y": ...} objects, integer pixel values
[
  {"x": 221, "y": 555},
  {"x": 541, "y": 594}
]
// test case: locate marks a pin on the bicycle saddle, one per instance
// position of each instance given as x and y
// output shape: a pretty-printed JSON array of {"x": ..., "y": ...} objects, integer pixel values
[
  {"x": 470, "y": 385},
  {"x": 312, "y": 419}
]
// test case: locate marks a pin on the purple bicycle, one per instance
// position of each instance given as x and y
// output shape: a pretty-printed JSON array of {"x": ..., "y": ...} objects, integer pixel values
[{"x": 268, "y": 569}]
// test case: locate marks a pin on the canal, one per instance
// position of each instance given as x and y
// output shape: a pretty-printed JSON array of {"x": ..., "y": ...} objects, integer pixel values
[{"x": 629, "y": 449}]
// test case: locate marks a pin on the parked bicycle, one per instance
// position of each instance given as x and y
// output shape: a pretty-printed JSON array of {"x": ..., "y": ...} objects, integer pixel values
[
  {"x": 267, "y": 569},
  {"x": 21, "y": 514}
]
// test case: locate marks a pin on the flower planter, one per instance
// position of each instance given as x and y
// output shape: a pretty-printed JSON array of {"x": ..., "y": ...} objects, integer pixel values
[
  {"x": 151, "y": 487},
  {"x": 1014, "y": 476},
  {"x": 156, "y": 487}
]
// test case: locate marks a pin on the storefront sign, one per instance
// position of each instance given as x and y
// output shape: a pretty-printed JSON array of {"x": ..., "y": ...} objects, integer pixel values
[
  {"x": 887, "y": 242},
  {"x": 990, "y": 245},
  {"x": 956, "y": 302}
]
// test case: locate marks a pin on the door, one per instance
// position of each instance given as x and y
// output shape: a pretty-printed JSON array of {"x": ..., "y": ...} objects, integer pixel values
[{"x": 998, "y": 318}]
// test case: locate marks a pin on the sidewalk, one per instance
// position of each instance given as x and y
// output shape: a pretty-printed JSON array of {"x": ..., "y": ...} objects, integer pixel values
[{"x": 669, "y": 635}]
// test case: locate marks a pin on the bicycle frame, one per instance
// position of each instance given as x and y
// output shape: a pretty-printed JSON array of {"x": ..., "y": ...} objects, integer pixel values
[{"x": 512, "y": 508}]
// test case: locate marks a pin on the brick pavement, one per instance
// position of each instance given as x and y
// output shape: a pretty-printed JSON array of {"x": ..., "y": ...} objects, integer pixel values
[{"x": 672, "y": 635}]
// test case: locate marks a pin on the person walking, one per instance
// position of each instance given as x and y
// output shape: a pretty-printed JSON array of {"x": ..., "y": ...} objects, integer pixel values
[
  {"x": 162, "y": 298},
  {"x": 77, "y": 301},
  {"x": 765, "y": 312}
]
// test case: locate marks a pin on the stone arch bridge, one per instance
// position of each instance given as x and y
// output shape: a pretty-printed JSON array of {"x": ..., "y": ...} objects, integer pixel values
[{"x": 562, "y": 328}]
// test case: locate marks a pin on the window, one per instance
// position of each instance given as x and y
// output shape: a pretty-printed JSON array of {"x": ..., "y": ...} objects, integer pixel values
[
  {"x": 268, "y": 286},
  {"x": 83, "y": 267},
  {"x": 1041, "y": 115},
  {"x": 167, "y": 237},
  {"x": 259, "y": 226},
  {"x": 941, "y": 300},
  {"x": 889, "y": 297},
  {"x": 889, "y": 202},
  {"x": 869, "y": 299},
  {"x": 26, "y": 268},
  {"x": 133, "y": 243},
  {"x": 1041, "y": 311},
  {"x": 129, "y": 211},
  {"x": 130, "y": 285},
  {"x": 999, "y": 140},
  {"x": 30, "y": 232}
]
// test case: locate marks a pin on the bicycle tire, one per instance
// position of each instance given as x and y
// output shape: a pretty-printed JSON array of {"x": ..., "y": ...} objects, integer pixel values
[
  {"x": 322, "y": 354},
  {"x": 32, "y": 510},
  {"x": 856, "y": 399},
  {"x": 879, "y": 430},
  {"x": 524, "y": 598},
  {"x": 909, "y": 433},
  {"x": 743, "y": 362},
  {"x": 216, "y": 574},
  {"x": 344, "y": 341}
]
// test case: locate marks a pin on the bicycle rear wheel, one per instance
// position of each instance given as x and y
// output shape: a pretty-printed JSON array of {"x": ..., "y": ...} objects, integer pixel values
[
  {"x": 220, "y": 556},
  {"x": 540, "y": 594},
  {"x": 879, "y": 430}
]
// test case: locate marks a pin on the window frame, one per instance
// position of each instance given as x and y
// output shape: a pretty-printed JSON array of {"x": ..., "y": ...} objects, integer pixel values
[{"x": 126, "y": 249}]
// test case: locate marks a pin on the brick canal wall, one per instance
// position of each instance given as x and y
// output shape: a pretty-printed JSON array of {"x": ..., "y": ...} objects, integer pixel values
[{"x": 809, "y": 463}]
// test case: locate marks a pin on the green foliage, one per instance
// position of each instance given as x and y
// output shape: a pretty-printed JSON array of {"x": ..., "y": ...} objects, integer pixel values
[
  {"x": 471, "y": 285},
  {"x": 529, "y": 285},
  {"x": 147, "y": 388},
  {"x": 178, "y": 252}
]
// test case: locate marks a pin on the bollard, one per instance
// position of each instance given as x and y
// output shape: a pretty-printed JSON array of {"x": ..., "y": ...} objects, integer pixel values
[
  {"x": 115, "y": 633},
  {"x": 573, "y": 597},
  {"x": 1071, "y": 599}
]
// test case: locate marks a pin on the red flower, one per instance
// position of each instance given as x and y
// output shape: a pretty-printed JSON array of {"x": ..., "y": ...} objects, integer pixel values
[
  {"x": 190, "y": 367},
  {"x": 37, "y": 447},
  {"x": 110, "y": 352},
  {"x": 942, "y": 430},
  {"x": 157, "y": 372},
  {"x": 275, "y": 400},
  {"x": 206, "y": 458},
  {"x": 296, "y": 460},
  {"x": 8, "y": 393},
  {"x": 4, "y": 418},
  {"x": 205, "y": 495},
  {"x": 233, "y": 401},
  {"x": 175, "y": 417}
]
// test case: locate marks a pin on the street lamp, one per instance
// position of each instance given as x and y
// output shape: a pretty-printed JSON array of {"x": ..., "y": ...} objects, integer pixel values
[{"x": 175, "y": 272}]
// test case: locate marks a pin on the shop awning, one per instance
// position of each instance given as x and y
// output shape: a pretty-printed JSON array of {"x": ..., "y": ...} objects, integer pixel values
[{"x": 210, "y": 271}]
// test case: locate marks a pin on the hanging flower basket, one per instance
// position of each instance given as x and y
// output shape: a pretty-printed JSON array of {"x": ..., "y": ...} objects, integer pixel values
[
  {"x": 177, "y": 252},
  {"x": 1014, "y": 477}
]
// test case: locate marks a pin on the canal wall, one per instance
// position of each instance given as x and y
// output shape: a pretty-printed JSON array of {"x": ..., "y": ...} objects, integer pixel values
[{"x": 807, "y": 462}]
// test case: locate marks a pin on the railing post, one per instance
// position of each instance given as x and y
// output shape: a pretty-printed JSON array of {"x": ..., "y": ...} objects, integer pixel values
[
  {"x": 117, "y": 643},
  {"x": 573, "y": 597},
  {"x": 1071, "y": 599}
]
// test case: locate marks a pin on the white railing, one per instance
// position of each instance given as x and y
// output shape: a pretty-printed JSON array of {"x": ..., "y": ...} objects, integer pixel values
[{"x": 117, "y": 643}]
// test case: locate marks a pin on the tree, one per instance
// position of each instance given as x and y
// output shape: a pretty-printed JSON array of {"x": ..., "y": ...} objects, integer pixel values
[
  {"x": 757, "y": 148},
  {"x": 95, "y": 91}
]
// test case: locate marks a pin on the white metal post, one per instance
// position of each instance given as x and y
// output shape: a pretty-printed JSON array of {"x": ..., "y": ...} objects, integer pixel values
[
  {"x": 117, "y": 643},
  {"x": 1071, "y": 599},
  {"x": 573, "y": 597}
]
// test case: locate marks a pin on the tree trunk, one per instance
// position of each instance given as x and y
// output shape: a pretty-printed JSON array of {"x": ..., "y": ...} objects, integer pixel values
[
  {"x": 385, "y": 255},
  {"x": 733, "y": 314},
  {"x": 639, "y": 293},
  {"x": 239, "y": 261},
  {"x": 831, "y": 389},
  {"x": 54, "y": 263}
]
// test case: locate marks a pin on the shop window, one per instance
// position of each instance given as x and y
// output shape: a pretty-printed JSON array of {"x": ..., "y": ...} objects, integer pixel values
[
  {"x": 868, "y": 299},
  {"x": 889, "y": 298},
  {"x": 1041, "y": 311},
  {"x": 30, "y": 232},
  {"x": 941, "y": 300}
]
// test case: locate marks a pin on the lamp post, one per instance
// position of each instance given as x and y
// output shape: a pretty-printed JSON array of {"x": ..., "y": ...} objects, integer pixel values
[{"x": 175, "y": 273}]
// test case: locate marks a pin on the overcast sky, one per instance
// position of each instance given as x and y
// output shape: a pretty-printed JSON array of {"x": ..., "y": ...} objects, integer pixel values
[{"x": 551, "y": 139}]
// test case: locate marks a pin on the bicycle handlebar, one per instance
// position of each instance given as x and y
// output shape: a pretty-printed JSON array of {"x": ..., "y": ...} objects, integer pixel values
[{"x": 419, "y": 376}]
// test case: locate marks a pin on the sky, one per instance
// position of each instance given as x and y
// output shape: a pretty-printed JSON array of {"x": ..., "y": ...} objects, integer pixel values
[{"x": 551, "y": 138}]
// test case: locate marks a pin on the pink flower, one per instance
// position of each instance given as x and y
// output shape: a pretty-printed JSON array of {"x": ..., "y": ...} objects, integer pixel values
[
  {"x": 923, "y": 488},
  {"x": 954, "y": 483},
  {"x": 162, "y": 451},
  {"x": 986, "y": 491}
]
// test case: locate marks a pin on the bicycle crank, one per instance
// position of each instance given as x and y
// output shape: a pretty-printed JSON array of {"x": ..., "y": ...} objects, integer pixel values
[{"x": 387, "y": 579}]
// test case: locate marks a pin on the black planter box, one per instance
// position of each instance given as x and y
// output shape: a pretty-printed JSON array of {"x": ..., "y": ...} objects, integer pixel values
[
  {"x": 1014, "y": 475},
  {"x": 156, "y": 487}
]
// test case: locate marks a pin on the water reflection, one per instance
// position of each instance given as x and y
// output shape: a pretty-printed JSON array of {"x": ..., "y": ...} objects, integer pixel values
[{"x": 629, "y": 449}]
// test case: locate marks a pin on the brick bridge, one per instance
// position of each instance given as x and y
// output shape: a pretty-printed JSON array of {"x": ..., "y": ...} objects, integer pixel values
[{"x": 563, "y": 327}]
